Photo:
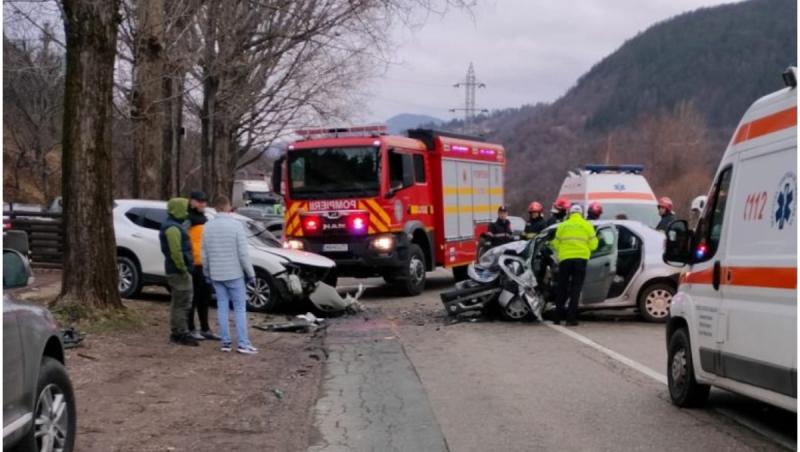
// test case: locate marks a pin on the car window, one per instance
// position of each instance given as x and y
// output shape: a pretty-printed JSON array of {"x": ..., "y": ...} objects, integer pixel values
[
  {"x": 419, "y": 169},
  {"x": 709, "y": 229},
  {"x": 154, "y": 218},
  {"x": 135, "y": 214},
  {"x": 627, "y": 240},
  {"x": 605, "y": 242}
]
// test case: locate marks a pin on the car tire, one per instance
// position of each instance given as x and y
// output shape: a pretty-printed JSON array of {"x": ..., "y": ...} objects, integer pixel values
[
  {"x": 332, "y": 278},
  {"x": 412, "y": 281},
  {"x": 129, "y": 277},
  {"x": 684, "y": 390},
  {"x": 52, "y": 390},
  {"x": 654, "y": 302},
  {"x": 516, "y": 310},
  {"x": 460, "y": 273},
  {"x": 263, "y": 296}
]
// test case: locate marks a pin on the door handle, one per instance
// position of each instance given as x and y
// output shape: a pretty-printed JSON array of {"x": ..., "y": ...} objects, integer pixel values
[
  {"x": 607, "y": 264},
  {"x": 717, "y": 275},
  {"x": 136, "y": 236}
]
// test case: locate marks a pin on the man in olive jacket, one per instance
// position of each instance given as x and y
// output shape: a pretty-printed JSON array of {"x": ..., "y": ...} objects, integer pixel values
[
  {"x": 574, "y": 242},
  {"x": 177, "y": 249}
]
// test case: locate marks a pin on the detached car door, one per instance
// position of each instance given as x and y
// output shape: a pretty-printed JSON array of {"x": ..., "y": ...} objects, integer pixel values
[{"x": 601, "y": 268}]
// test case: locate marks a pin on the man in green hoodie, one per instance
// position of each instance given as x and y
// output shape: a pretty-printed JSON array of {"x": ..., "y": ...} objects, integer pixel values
[
  {"x": 177, "y": 249},
  {"x": 574, "y": 242}
]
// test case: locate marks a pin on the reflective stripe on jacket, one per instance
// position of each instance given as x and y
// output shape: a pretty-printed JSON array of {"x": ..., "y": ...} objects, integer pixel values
[{"x": 575, "y": 238}]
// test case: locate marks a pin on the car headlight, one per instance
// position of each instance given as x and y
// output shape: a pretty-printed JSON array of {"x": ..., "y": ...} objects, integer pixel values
[
  {"x": 383, "y": 243},
  {"x": 293, "y": 244}
]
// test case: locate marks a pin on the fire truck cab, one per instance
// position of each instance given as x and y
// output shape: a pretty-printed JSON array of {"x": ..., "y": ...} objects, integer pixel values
[{"x": 390, "y": 206}]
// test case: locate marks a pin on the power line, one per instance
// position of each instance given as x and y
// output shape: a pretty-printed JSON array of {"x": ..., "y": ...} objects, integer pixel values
[{"x": 470, "y": 86}]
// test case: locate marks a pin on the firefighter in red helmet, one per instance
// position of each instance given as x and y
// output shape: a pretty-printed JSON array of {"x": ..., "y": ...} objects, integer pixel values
[
  {"x": 595, "y": 211},
  {"x": 559, "y": 211},
  {"x": 667, "y": 215},
  {"x": 536, "y": 222}
]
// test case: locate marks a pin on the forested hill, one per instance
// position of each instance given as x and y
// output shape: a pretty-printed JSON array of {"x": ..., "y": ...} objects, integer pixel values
[{"x": 668, "y": 98}]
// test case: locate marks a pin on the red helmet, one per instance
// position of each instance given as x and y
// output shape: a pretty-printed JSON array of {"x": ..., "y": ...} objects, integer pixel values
[
  {"x": 596, "y": 209},
  {"x": 535, "y": 207},
  {"x": 561, "y": 204},
  {"x": 665, "y": 203}
]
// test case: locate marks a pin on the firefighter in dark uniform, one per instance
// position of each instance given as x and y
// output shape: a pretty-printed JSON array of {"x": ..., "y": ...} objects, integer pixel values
[
  {"x": 595, "y": 211},
  {"x": 667, "y": 215},
  {"x": 558, "y": 212},
  {"x": 500, "y": 231},
  {"x": 536, "y": 222}
]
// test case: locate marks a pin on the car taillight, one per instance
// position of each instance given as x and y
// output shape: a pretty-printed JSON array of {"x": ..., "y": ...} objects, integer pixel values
[
  {"x": 357, "y": 223},
  {"x": 311, "y": 224}
]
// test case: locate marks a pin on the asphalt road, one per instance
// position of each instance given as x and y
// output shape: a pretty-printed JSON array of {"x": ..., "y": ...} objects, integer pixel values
[{"x": 492, "y": 385}]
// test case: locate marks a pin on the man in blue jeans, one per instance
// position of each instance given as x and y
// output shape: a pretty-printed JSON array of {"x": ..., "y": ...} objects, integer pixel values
[{"x": 226, "y": 264}]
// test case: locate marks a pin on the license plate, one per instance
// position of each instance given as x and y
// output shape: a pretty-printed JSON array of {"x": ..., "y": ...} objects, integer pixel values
[{"x": 335, "y": 247}]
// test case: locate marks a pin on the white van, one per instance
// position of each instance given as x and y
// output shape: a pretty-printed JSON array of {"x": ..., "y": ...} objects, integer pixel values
[
  {"x": 620, "y": 189},
  {"x": 734, "y": 319}
]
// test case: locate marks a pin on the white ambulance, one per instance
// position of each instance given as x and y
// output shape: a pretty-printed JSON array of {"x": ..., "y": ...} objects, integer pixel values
[
  {"x": 733, "y": 322},
  {"x": 620, "y": 189}
]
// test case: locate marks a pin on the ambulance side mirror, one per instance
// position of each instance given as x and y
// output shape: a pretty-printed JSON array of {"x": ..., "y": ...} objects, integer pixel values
[{"x": 677, "y": 246}]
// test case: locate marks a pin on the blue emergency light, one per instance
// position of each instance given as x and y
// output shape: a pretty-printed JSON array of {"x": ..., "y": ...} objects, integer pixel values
[{"x": 598, "y": 168}]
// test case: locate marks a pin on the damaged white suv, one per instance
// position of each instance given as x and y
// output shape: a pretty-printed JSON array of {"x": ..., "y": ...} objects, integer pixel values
[{"x": 282, "y": 275}]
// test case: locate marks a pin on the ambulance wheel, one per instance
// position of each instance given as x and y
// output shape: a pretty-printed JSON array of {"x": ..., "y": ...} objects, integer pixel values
[
  {"x": 460, "y": 273},
  {"x": 413, "y": 272},
  {"x": 684, "y": 390}
]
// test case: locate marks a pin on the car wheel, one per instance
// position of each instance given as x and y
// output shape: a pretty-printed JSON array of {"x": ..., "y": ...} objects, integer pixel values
[
  {"x": 54, "y": 425},
  {"x": 460, "y": 273},
  {"x": 654, "y": 302},
  {"x": 262, "y": 296},
  {"x": 413, "y": 274},
  {"x": 684, "y": 390},
  {"x": 516, "y": 309},
  {"x": 331, "y": 279},
  {"x": 128, "y": 277}
]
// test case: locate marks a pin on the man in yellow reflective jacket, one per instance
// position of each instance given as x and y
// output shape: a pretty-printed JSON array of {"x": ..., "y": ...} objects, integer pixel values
[{"x": 574, "y": 242}]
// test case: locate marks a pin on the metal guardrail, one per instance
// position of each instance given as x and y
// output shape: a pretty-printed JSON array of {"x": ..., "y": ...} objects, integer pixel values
[{"x": 45, "y": 235}]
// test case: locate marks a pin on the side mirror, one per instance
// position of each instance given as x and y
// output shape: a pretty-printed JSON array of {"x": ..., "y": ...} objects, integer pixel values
[
  {"x": 277, "y": 175},
  {"x": 16, "y": 270},
  {"x": 677, "y": 246}
]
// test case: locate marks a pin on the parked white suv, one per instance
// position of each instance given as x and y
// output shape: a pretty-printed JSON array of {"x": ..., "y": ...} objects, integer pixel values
[{"x": 282, "y": 275}]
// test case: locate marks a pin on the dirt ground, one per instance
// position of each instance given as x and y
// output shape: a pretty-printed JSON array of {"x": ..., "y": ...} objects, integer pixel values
[{"x": 137, "y": 391}]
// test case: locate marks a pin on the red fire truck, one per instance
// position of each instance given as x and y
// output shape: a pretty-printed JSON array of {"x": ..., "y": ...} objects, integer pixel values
[{"x": 390, "y": 206}]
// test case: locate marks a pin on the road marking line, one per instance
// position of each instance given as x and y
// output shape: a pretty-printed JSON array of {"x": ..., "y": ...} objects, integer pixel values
[
  {"x": 611, "y": 353},
  {"x": 766, "y": 432}
]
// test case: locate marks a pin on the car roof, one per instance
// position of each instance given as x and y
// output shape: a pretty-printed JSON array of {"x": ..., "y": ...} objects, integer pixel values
[{"x": 141, "y": 203}]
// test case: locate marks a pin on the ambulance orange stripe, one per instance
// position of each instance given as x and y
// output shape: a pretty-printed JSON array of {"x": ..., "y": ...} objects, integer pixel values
[
  {"x": 766, "y": 125},
  {"x": 611, "y": 195},
  {"x": 616, "y": 195},
  {"x": 766, "y": 277}
]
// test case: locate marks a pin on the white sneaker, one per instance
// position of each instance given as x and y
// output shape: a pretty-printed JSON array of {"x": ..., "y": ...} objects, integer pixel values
[
  {"x": 249, "y": 350},
  {"x": 225, "y": 348},
  {"x": 196, "y": 335}
]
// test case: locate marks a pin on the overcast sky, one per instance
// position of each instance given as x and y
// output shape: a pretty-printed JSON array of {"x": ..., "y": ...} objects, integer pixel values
[{"x": 525, "y": 51}]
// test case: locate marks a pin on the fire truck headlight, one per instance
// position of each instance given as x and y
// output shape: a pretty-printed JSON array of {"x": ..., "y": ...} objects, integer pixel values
[
  {"x": 383, "y": 243},
  {"x": 293, "y": 244}
]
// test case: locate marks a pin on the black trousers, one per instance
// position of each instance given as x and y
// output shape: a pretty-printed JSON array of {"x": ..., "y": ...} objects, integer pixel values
[
  {"x": 571, "y": 273},
  {"x": 200, "y": 300}
]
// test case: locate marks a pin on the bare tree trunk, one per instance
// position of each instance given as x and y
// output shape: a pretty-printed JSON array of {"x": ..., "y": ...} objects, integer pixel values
[
  {"x": 167, "y": 151},
  {"x": 177, "y": 130},
  {"x": 148, "y": 114},
  {"x": 208, "y": 121},
  {"x": 90, "y": 271}
]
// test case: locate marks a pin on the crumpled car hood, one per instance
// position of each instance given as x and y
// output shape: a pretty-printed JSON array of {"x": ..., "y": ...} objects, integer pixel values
[{"x": 299, "y": 257}]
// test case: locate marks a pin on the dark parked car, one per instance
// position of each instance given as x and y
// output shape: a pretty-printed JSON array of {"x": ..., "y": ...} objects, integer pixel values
[{"x": 38, "y": 401}]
